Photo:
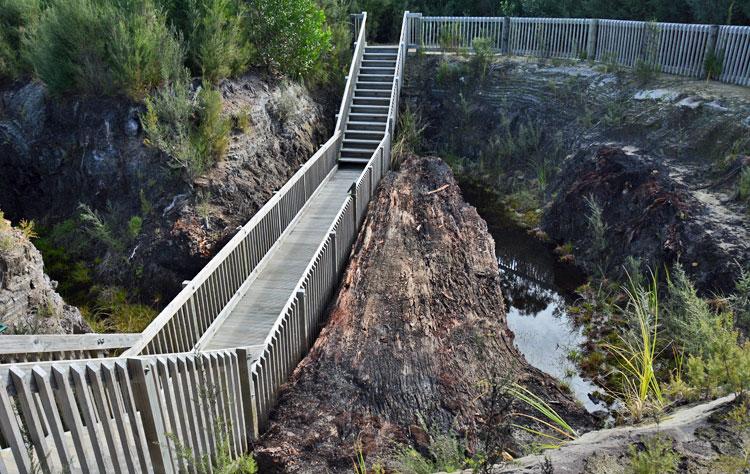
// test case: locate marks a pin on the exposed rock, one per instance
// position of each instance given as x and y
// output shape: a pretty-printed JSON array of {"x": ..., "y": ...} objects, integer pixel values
[
  {"x": 58, "y": 152},
  {"x": 648, "y": 214},
  {"x": 28, "y": 301},
  {"x": 698, "y": 435},
  {"x": 416, "y": 331}
]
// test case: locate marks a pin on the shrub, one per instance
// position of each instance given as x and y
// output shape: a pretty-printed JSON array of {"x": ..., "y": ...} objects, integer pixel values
[
  {"x": 290, "y": 35},
  {"x": 740, "y": 300},
  {"x": 187, "y": 126},
  {"x": 16, "y": 17},
  {"x": 656, "y": 457},
  {"x": 95, "y": 46},
  {"x": 725, "y": 364},
  {"x": 215, "y": 34},
  {"x": 113, "y": 312},
  {"x": 482, "y": 57},
  {"x": 714, "y": 64}
]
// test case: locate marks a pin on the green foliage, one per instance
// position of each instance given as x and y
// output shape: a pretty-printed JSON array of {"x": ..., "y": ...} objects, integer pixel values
[
  {"x": 725, "y": 364},
  {"x": 98, "y": 229},
  {"x": 360, "y": 463},
  {"x": 445, "y": 454},
  {"x": 714, "y": 64},
  {"x": 482, "y": 57},
  {"x": 636, "y": 350},
  {"x": 599, "y": 230},
  {"x": 740, "y": 300},
  {"x": 114, "y": 313},
  {"x": 101, "y": 47},
  {"x": 656, "y": 457},
  {"x": 16, "y": 17},
  {"x": 550, "y": 419},
  {"x": 291, "y": 35},
  {"x": 409, "y": 133},
  {"x": 187, "y": 126},
  {"x": 215, "y": 33},
  {"x": 134, "y": 226}
]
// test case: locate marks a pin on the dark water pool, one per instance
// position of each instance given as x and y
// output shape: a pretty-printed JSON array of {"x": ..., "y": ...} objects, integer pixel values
[{"x": 537, "y": 290}]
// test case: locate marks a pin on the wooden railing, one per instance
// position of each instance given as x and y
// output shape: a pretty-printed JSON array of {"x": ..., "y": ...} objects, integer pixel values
[
  {"x": 162, "y": 406},
  {"x": 673, "y": 48},
  {"x": 35, "y": 348}
]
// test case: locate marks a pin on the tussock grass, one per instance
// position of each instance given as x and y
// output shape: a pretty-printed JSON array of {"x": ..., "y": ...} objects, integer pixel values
[{"x": 548, "y": 418}]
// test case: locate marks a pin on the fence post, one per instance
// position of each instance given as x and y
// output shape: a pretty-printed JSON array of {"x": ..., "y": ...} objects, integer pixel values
[
  {"x": 353, "y": 195},
  {"x": 303, "y": 322},
  {"x": 147, "y": 403},
  {"x": 592, "y": 40},
  {"x": 332, "y": 235},
  {"x": 251, "y": 429},
  {"x": 713, "y": 36},
  {"x": 505, "y": 39},
  {"x": 418, "y": 38}
]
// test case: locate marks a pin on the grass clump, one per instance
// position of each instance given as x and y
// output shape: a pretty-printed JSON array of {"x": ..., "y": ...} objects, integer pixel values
[
  {"x": 445, "y": 454},
  {"x": 409, "y": 133},
  {"x": 101, "y": 47},
  {"x": 482, "y": 57},
  {"x": 187, "y": 126},
  {"x": 656, "y": 457},
  {"x": 743, "y": 184},
  {"x": 636, "y": 350},
  {"x": 548, "y": 419}
]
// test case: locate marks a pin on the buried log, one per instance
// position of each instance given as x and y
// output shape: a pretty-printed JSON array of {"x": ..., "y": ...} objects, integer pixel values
[{"x": 415, "y": 339}]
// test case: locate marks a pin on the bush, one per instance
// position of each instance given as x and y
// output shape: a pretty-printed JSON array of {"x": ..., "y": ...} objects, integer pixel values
[
  {"x": 714, "y": 64},
  {"x": 187, "y": 126},
  {"x": 290, "y": 35},
  {"x": 482, "y": 57},
  {"x": 743, "y": 185},
  {"x": 100, "y": 47},
  {"x": 215, "y": 34},
  {"x": 657, "y": 457},
  {"x": 16, "y": 17}
]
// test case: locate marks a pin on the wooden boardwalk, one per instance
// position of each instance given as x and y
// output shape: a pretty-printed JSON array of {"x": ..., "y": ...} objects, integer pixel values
[{"x": 251, "y": 320}]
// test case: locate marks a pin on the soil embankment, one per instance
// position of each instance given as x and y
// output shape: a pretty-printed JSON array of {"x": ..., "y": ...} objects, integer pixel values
[
  {"x": 416, "y": 336},
  {"x": 147, "y": 226},
  {"x": 530, "y": 129}
]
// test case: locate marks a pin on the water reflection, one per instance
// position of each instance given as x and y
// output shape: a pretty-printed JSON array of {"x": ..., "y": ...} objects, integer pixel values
[{"x": 544, "y": 333}]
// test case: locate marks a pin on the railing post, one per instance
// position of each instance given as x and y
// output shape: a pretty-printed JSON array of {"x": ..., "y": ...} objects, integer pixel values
[
  {"x": 148, "y": 405},
  {"x": 303, "y": 327},
  {"x": 353, "y": 195},
  {"x": 418, "y": 36},
  {"x": 505, "y": 43},
  {"x": 251, "y": 428},
  {"x": 592, "y": 40},
  {"x": 713, "y": 36},
  {"x": 335, "y": 258}
]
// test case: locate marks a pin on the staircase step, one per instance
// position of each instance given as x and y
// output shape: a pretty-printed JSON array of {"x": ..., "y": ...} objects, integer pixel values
[
  {"x": 381, "y": 71},
  {"x": 375, "y": 85},
  {"x": 379, "y": 63},
  {"x": 368, "y": 93},
  {"x": 386, "y": 78},
  {"x": 361, "y": 100},
  {"x": 382, "y": 49},
  {"x": 353, "y": 161},
  {"x": 357, "y": 117},
  {"x": 361, "y": 144},
  {"x": 355, "y": 125},
  {"x": 356, "y": 153},
  {"x": 378, "y": 57},
  {"x": 364, "y": 135},
  {"x": 368, "y": 109}
]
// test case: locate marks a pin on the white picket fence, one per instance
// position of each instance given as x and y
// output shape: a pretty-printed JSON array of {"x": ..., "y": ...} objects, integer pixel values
[{"x": 672, "y": 48}]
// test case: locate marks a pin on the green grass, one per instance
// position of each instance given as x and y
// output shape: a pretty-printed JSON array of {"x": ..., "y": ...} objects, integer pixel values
[
  {"x": 656, "y": 457},
  {"x": 556, "y": 429},
  {"x": 636, "y": 350},
  {"x": 743, "y": 184}
]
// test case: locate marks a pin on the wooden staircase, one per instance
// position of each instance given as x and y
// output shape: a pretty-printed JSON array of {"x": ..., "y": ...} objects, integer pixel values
[{"x": 368, "y": 114}]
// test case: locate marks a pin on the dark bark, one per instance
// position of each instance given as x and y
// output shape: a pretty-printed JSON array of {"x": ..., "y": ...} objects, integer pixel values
[{"x": 416, "y": 333}]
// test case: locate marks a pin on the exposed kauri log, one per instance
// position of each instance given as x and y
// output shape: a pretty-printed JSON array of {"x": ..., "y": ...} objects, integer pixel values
[{"x": 417, "y": 328}]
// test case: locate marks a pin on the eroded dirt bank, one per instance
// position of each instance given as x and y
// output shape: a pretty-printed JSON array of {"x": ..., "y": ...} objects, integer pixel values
[
  {"x": 148, "y": 226},
  {"x": 532, "y": 131},
  {"x": 416, "y": 336}
]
